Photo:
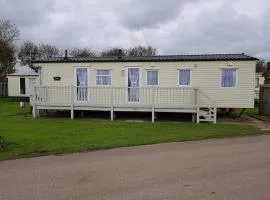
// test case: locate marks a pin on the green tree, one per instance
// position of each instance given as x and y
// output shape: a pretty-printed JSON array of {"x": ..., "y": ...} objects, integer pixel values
[
  {"x": 260, "y": 66},
  {"x": 266, "y": 73},
  {"x": 9, "y": 33},
  {"x": 7, "y": 59}
]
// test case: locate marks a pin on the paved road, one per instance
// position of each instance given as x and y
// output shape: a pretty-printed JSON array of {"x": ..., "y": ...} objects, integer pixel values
[{"x": 214, "y": 169}]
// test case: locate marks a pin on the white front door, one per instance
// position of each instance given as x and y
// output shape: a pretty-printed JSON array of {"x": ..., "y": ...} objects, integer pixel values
[
  {"x": 133, "y": 84},
  {"x": 82, "y": 84}
]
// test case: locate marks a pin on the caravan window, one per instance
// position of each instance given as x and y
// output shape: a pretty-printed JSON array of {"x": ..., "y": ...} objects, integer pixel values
[
  {"x": 184, "y": 77},
  {"x": 228, "y": 78},
  {"x": 152, "y": 77},
  {"x": 103, "y": 77}
]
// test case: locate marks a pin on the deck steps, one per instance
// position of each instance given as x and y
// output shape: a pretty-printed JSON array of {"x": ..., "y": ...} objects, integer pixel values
[{"x": 207, "y": 115}]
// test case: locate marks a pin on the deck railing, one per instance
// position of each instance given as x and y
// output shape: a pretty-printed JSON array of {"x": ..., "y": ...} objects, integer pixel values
[
  {"x": 184, "y": 99},
  {"x": 115, "y": 96}
]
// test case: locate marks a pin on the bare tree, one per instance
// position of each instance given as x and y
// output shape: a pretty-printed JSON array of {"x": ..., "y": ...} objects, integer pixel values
[
  {"x": 76, "y": 52},
  {"x": 48, "y": 51},
  {"x": 28, "y": 51},
  {"x": 113, "y": 52},
  {"x": 134, "y": 51},
  {"x": 142, "y": 51},
  {"x": 8, "y": 34}
]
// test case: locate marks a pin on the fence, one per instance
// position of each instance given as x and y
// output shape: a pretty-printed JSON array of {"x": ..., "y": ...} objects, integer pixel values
[
  {"x": 264, "y": 100},
  {"x": 3, "y": 89}
]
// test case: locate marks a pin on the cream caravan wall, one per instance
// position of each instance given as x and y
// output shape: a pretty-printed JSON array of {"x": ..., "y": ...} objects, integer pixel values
[
  {"x": 205, "y": 75},
  {"x": 14, "y": 86}
]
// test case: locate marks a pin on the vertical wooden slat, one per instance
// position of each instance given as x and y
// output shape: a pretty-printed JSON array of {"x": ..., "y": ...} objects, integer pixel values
[
  {"x": 34, "y": 102},
  {"x": 71, "y": 102}
]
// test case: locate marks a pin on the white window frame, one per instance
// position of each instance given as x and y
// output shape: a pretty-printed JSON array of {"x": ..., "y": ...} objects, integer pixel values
[
  {"x": 110, "y": 75},
  {"x": 236, "y": 78},
  {"x": 151, "y": 70},
  {"x": 75, "y": 74},
  {"x": 257, "y": 86},
  {"x": 75, "y": 82},
  {"x": 126, "y": 82},
  {"x": 126, "y": 74},
  {"x": 190, "y": 77}
]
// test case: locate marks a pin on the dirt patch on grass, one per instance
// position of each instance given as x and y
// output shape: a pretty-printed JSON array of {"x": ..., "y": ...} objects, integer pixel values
[{"x": 257, "y": 122}]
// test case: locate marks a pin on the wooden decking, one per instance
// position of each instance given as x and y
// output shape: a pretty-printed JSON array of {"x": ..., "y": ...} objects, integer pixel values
[{"x": 113, "y": 99}]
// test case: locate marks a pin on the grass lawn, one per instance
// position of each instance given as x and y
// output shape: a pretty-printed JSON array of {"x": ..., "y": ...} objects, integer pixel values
[
  {"x": 252, "y": 111},
  {"x": 27, "y": 137}
]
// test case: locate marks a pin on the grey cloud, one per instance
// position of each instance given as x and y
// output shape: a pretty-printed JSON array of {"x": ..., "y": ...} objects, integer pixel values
[
  {"x": 139, "y": 14},
  {"x": 222, "y": 30},
  {"x": 26, "y": 13},
  {"x": 173, "y": 26}
]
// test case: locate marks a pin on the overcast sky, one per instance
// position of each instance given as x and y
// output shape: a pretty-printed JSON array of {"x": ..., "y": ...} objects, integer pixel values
[{"x": 172, "y": 26}]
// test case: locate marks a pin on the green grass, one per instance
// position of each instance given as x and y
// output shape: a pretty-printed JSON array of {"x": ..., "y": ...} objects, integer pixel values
[
  {"x": 252, "y": 111},
  {"x": 26, "y": 137}
]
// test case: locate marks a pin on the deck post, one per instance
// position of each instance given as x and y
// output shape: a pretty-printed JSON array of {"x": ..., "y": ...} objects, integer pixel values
[
  {"x": 71, "y": 102},
  {"x": 153, "y": 114},
  {"x": 34, "y": 110},
  {"x": 197, "y": 100},
  {"x": 193, "y": 117},
  {"x": 112, "y": 113},
  {"x": 215, "y": 114},
  {"x": 153, "y": 92},
  {"x": 111, "y": 103}
]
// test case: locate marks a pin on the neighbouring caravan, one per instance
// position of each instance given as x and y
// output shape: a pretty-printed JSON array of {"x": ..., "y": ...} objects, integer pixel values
[{"x": 22, "y": 81}]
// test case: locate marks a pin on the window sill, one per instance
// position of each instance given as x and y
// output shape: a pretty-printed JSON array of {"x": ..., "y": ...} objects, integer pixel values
[
  {"x": 103, "y": 85},
  {"x": 229, "y": 88}
]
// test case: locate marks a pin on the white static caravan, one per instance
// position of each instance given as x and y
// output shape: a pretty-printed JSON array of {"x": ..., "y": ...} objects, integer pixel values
[
  {"x": 20, "y": 84},
  {"x": 197, "y": 84}
]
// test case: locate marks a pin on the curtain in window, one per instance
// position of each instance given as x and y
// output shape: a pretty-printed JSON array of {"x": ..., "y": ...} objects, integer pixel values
[
  {"x": 103, "y": 77},
  {"x": 133, "y": 84},
  {"x": 184, "y": 77},
  {"x": 82, "y": 79},
  {"x": 152, "y": 77},
  {"x": 228, "y": 78}
]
